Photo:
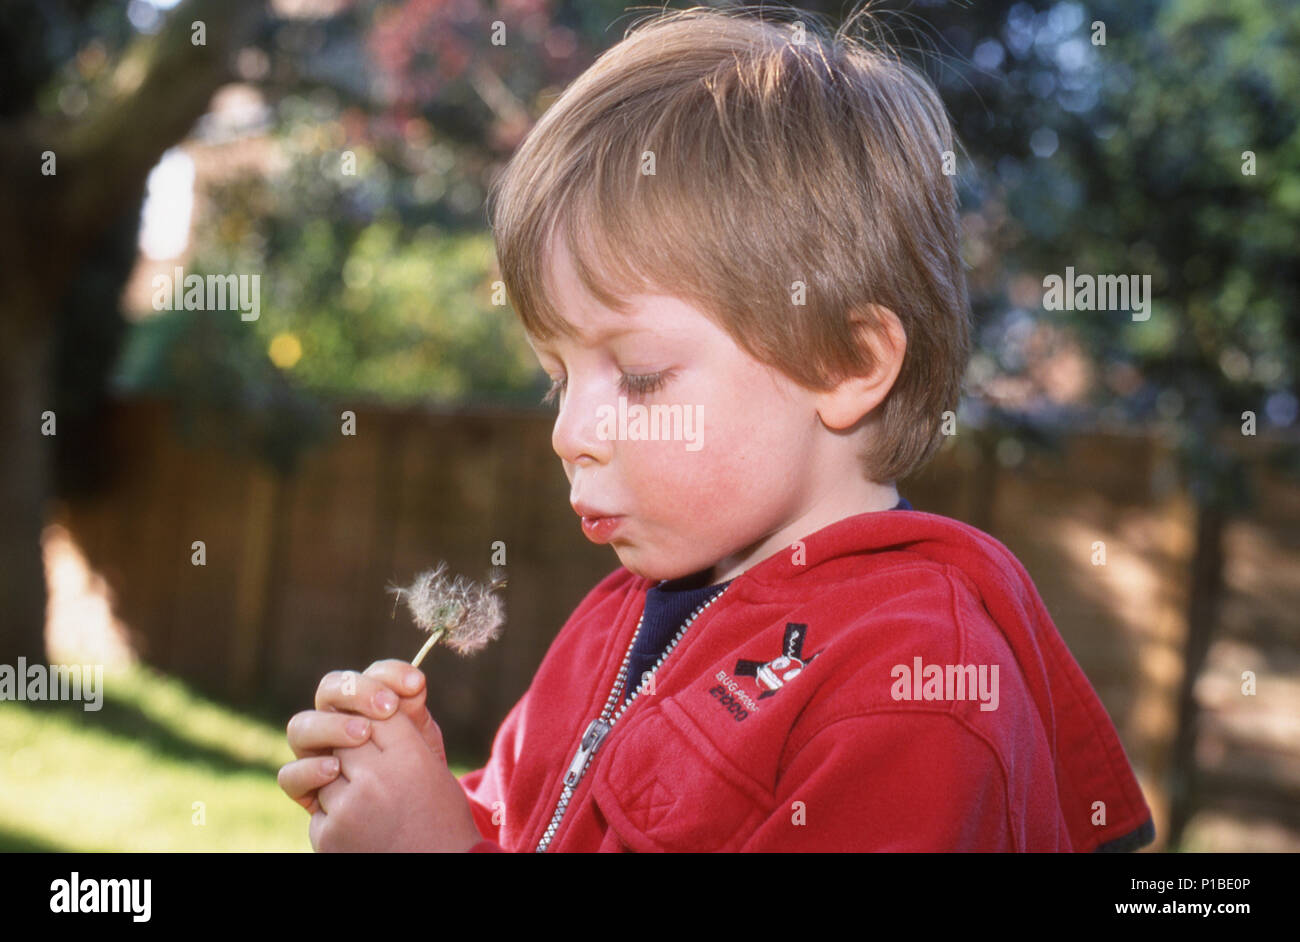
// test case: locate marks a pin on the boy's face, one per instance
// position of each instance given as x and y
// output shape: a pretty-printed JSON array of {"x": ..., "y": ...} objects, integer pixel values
[{"x": 750, "y": 484}]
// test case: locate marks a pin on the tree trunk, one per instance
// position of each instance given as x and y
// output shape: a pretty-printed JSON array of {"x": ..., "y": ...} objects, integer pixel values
[
  {"x": 49, "y": 223},
  {"x": 1202, "y": 616},
  {"x": 24, "y": 480}
]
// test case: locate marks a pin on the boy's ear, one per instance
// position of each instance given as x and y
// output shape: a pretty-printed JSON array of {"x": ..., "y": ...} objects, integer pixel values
[{"x": 880, "y": 330}]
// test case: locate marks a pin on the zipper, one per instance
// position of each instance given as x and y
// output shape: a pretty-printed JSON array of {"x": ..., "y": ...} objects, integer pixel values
[{"x": 600, "y": 727}]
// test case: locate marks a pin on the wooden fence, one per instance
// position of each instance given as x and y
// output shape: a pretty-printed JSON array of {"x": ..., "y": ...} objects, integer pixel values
[{"x": 297, "y": 567}]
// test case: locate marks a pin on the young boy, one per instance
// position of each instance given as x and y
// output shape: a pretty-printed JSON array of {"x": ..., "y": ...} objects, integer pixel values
[{"x": 746, "y": 224}]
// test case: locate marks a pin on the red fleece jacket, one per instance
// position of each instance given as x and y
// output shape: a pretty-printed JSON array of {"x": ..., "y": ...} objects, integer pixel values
[{"x": 862, "y": 749}]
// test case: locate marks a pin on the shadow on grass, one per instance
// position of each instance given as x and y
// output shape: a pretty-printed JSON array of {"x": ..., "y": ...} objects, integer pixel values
[
  {"x": 127, "y": 721},
  {"x": 12, "y": 842}
]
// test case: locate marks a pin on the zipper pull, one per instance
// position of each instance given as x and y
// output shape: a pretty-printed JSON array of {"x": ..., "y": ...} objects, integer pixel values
[{"x": 591, "y": 741}]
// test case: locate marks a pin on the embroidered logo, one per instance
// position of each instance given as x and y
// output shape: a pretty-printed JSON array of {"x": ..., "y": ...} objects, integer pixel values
[{"x": 774, "y": 674}]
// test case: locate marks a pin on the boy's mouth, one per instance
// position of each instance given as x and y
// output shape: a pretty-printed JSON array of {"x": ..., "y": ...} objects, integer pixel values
[
  {"x": 600, "y": 529},
  {"x": 598, "y": 526}
]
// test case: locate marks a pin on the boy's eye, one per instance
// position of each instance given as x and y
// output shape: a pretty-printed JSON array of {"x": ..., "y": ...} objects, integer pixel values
[
  {"x": 642, "y": 385},
  {"x": 630, "y": 383}
]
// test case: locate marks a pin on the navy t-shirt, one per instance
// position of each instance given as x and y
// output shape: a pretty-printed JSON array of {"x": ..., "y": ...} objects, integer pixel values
[{"x": 667, "y": 605}]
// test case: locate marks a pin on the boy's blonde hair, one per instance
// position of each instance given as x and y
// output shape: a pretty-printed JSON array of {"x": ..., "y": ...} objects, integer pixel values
[{"x": 774, "y": 163}]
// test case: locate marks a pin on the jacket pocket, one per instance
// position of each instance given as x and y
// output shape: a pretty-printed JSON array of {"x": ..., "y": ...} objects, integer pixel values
[{"x": 663, "y": 786}]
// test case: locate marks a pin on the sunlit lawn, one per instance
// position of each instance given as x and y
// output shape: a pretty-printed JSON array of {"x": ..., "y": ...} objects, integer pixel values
[{"x": 128, "y": 777}]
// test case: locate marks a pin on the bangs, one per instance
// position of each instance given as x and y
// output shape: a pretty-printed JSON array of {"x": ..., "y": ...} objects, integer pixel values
[{"x": 625, "y": 232}]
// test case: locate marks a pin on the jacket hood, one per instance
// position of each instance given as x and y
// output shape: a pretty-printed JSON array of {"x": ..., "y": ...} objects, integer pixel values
[{"x": 1087, "y": 753}]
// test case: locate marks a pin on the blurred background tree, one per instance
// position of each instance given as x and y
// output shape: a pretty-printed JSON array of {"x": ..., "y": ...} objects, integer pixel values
[
  {"x": 87, "y": 108},
  {"x": 1160, "y": 139},
  {"x": 413, "y": 90}
]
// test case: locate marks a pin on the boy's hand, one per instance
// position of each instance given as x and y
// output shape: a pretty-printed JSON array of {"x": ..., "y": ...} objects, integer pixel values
[
  {"x": 395, "y": 794},
  {"x": 344, "y": 700}
]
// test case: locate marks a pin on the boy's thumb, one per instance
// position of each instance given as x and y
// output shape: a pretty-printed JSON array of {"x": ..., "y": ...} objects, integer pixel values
[
  {"x": 418, "y": 714},
  {"x": 433, "y": 736}
]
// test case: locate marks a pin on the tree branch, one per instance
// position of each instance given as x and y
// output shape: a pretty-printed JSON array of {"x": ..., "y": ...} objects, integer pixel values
[{"x": 161, "y": 86}]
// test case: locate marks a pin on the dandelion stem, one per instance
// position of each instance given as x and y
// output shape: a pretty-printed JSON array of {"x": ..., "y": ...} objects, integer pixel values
[{"x": 428, "y": 645}]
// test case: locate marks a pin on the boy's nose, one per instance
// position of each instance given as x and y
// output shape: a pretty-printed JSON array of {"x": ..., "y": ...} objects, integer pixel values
[{"x": 575, "y": 437}]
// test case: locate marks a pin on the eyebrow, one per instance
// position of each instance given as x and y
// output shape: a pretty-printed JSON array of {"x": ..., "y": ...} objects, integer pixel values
[{"x": 607, "y": 334}]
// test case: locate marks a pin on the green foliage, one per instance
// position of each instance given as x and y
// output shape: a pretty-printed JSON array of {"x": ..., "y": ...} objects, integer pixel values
[
  {"x": 226, "y": 390},
  {"x": 406, "y": 318},
  {"x": 1166, "y": 191},
  {"x": 370, "y": 288},
  {"x": 1127, "y": 158},
  {"x": 1117, "y": 158}
]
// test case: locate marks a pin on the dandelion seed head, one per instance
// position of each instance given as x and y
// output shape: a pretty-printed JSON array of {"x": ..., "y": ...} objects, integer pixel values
[{"x": 469, "y": 614}]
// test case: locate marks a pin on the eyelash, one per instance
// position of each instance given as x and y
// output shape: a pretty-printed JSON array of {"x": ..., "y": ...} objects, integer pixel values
[{"x": 629, "y": 383}]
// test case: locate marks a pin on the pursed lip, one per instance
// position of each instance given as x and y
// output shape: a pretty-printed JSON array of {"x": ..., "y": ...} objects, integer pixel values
[
  {"x": 586, "y": 511},
  {"x": 601, "y": 529}
]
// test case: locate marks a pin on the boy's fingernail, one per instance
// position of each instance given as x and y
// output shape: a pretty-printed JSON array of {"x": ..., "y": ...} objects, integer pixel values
[
  {"x": 411, "y": 680},
  {"x": 357, "y": 728},
  {"x": 331, "y": 766},
  {"x": 385, "y": 700}
]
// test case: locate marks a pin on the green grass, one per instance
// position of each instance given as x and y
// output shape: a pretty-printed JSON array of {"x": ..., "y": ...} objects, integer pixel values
[{"x": 127, "y": 777}]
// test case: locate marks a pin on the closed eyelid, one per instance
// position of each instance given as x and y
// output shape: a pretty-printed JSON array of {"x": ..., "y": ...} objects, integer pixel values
[{"x": 629, "y": 383}]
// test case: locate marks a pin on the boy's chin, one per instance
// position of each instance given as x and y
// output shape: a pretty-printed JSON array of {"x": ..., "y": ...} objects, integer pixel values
[{"x": 653, "y": 570}]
